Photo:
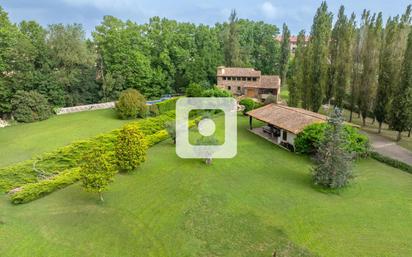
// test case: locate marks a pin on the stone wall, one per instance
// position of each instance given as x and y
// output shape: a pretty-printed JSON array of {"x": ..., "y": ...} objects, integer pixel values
[
  {"x": 83, "y": 108},
  {"x": 3, "y": 123}
]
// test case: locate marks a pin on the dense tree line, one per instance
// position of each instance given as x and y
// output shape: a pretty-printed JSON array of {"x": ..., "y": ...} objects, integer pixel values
[
  {"x": 159, "y": 57},
  {"x": 364, "y": 68}
]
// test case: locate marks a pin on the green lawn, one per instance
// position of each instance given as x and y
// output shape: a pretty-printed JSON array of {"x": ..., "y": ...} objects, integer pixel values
[
  {"x": 260, "y": 201},
  {"x": 22, "y": 141}
]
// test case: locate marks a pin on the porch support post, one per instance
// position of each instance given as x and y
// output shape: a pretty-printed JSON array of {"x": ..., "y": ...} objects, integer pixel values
[{"x": 250, "y": 123}]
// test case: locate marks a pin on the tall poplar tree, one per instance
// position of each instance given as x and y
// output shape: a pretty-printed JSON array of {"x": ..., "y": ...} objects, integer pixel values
[
  {"x": 318, "y": 55},
  {"x": 284, "y": 53},
  {"x": 401, "y": 108},
  {"x": 298, "y": 76},
  {"x": 231, "y": 42},
  {"x": 370, "y": 61}
]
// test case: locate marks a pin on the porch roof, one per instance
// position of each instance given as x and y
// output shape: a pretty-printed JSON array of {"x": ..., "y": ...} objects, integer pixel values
[{"x": 291, "y": 119}]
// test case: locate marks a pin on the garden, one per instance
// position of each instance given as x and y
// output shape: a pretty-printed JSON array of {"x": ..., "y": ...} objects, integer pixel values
[{"x": 258, "y": 203}]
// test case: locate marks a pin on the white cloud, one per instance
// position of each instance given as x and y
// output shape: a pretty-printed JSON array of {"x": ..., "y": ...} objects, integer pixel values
[
  {"x": 118, "y": 5},
  {"x": 269, "y": 10}
]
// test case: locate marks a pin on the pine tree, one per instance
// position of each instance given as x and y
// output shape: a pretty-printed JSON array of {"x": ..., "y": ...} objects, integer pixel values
[
  {"x": 401, "y": 108},
  {"x": 318, "y": 55},
  {"x": 284, "y": 53},
  {"x": 297, "y": 81},
  {"x": 332, "y": 162}
]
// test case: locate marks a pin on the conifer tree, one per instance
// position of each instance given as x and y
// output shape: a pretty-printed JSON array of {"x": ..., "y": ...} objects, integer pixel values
[{"x": 333, "y": 163}]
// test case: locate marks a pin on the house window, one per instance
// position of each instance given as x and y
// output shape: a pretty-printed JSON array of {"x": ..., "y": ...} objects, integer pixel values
[
  {"x": 249, "y": 78},
  {"x": 224, "y": 78},
  {"x": 238, "y": 78},
  {"x": 243, "y": 79},
  {"x": 254, "y": 79},
  {"x": 285, "y": 135},
  {"x": 229, "y": 88},
  {"x": 238, "y": 88}
]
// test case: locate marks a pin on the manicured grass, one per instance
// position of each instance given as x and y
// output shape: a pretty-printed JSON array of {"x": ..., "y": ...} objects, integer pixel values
[
  {"x": 259, "y": 201},
  {"x": 22, "y": 141}
]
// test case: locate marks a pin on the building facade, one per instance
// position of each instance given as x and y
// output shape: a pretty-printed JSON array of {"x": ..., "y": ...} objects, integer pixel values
[{"x": 248, "y": 82}]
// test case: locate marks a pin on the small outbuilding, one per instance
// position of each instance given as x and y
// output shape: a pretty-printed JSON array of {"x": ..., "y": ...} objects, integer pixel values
[{"x": 283, "y": 123}]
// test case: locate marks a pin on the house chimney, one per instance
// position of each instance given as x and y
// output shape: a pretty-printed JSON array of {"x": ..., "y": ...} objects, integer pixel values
[{"x": 221, "y": 70}]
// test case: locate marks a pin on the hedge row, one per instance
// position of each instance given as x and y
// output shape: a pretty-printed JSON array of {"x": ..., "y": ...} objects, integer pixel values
[
  {"x": 71, "y": 155},
  {"x": 391, "y": 162},
  {"x": 50, "y": 164},
  {"x": 167, "y": 105}
]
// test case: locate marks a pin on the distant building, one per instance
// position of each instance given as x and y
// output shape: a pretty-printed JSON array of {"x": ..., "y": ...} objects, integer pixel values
[
  {"x": 293, "y": 42},
  {"x": 248, "y": 82}
]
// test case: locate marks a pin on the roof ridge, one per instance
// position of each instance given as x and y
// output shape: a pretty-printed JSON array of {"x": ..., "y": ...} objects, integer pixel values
[{"x": 305, "y": 112}]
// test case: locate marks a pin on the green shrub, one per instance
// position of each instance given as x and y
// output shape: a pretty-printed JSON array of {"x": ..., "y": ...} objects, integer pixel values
[
  {"x": 30, "y": 106},
  {"x": 171, "y": 130},
  {"x": 130, "y": 149},
  {"x": 271, "y": 99},
  {"x": 307, "y": 141},
  {"x": 194, "y": 90},
  {"x": 97, "y": 171},
  {"x": 216, "y": 92},
  {"x": 167, "y": 105},
  {"x": 249, "y": 104},
  {"x": 153, "y": 110},
  {"x": 33, "y": 191},
  {"x": 131, "y": 104},
  {"x": 391, "y": 162}
]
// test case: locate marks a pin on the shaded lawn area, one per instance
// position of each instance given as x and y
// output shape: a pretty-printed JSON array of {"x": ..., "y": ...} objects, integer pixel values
[
  {"x": 23, "y": 141},
  {"x": 259, "y": 201}
]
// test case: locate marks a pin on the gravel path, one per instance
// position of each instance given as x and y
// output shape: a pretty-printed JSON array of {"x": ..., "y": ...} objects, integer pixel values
[{"x": 389, "y": 148}]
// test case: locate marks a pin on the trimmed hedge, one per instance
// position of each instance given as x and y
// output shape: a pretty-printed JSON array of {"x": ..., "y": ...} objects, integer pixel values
[
  {"x": 34, "y": 191},
  {"x": 391, "y": 162},
  {"x": 167, "y": 105},
  {"x": 63, "y": 163}
]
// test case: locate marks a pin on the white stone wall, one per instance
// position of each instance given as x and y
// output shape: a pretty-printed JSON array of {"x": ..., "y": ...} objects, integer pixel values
[
  {"x": 3, "y": 123},
  {"x": 88, "y": 107}
]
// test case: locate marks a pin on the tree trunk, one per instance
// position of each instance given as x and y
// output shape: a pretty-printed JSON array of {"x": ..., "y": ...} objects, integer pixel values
[
  {"x": 363, "y": 121},
  {"x": 373, "y": 121},
  {"x": 208, "y": 161},
  {"x": 101, "y": 196},
  {"x": 409, "y": 132},
  {"x": 399, "y": 137},
  {"x": 359, "y": 114},
  {"x": 380, "y": 127},
  {"x": 350, "y": 115}
]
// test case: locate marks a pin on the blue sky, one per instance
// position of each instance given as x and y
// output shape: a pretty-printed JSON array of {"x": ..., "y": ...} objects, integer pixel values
[{"x": 298, "y": 14}]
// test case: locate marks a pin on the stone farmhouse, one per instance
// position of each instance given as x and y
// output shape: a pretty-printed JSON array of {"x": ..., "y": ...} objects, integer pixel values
[
  {"x": 248, "y": 82},
  {"x": 293, "y": 42}
]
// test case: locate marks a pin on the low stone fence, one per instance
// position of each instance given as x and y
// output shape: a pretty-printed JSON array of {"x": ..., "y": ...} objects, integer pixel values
[{"x": 88, "y": 107}]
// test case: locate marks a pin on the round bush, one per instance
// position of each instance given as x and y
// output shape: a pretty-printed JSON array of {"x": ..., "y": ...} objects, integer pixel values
[
  {"x": 30, "y": 106},
  {"x": 249, "y": 104},
  {"x": 131, "y": 104},
  {"x": 130, "y": 148},
  {"x": 194, "y": 90},
  {"x": 271, "y": 99},
  {"x": 306, "y": 142}
]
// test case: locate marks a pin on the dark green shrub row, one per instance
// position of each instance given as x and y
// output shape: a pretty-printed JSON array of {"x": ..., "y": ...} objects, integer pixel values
[
  {"x": 33, "y": 191},
  {"x": 306, "y": 141},
  {"x": 67, "y": 157},
  {"x": 391, "y": 162},
  {"x": 167, "y": 105}
]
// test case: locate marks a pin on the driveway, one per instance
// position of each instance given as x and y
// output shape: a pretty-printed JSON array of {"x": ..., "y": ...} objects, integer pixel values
[{"x": 389, "y": 148}]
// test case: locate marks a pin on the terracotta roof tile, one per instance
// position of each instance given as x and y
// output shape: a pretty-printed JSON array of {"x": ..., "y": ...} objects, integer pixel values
[
  {"x": 289, "y": 118},
  {"x": 237, "y": 72}
]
